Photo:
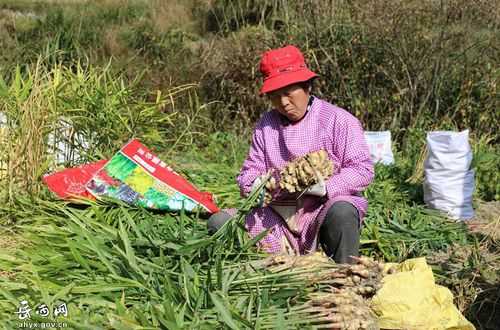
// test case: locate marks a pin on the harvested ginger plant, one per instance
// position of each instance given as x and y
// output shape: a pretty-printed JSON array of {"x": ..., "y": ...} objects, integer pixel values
[
  {"x": 300, "y": 174},
  {"x": 342, "y": 309},
  {"x": 306, "y": 171},
  {"x": 339, "y": 294},
  {"x": 269, "y": 188}
]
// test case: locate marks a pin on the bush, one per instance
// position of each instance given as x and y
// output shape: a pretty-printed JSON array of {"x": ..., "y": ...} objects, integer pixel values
[
  {"x": 230, "y": 67},
  {"x": 486, "y": 164},
  {"x": 426, "y": 65}
]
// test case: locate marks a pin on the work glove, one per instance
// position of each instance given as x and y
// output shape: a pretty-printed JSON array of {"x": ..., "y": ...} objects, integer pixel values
[
  {"x": 255, "y": 185},
  {"x": 317, "y": 189}
]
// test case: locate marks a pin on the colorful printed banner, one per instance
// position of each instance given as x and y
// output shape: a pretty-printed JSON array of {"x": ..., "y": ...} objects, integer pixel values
[{"x": 138, "y": 177}]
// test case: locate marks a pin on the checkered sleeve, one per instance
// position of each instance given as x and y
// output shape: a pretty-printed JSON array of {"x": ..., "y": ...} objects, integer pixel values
[
  {"x": 254, "y": 165},
  {"x": 355, "y": 171}
]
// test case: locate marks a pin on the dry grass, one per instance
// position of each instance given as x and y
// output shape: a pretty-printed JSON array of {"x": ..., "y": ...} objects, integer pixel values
[
  {"x": 26, "y": 143},
  {"x": 225, "y": 63},
  {"x": 166, "y": 15},
  {"x": 113, "y": 45},
  {"x": 487, "y": 220},
  {"x": 9, "y": 242},
  {"x": 418, "y": 172},
  {"x": 473, "y": 271}
]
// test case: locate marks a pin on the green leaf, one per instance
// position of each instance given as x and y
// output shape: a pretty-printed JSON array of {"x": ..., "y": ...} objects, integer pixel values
[
  {"x": 62, "y": 294},
  {"x": 78, "y": 257},
  {"x": 128, "y": 248},
  {"x": 256, "y": 239},
  {"x": 223, "y": 311}
]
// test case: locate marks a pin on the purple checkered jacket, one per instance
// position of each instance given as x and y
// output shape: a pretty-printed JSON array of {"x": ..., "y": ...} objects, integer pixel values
[{"x": 277, "y": 141}]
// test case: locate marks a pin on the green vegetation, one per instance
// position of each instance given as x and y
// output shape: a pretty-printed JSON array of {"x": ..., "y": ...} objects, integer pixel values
[{"x": 182, "y": 77}]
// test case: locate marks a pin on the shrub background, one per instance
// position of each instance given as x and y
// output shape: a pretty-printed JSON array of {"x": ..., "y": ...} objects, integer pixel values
[{"x": 425, "y": 63}]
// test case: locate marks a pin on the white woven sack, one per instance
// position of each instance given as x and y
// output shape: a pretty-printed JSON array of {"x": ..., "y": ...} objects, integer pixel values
[
  {"x": 380, "y": 146},
  {"x": 448, "y": 150},
  {"x": 451, "y": 194},
  {"x": 449, "y": 184}
]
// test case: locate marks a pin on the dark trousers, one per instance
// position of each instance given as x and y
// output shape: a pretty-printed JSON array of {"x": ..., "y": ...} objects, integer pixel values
[{"x": 339, "y": 233}]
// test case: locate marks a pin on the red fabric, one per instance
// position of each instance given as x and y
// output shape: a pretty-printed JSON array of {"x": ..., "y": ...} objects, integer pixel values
[
  {"x": 71, "y": 182},
  {"x": 282, "y": 67}
]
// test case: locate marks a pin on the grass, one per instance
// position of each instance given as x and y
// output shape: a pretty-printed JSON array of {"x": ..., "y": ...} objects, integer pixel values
[
  {"x": 129, "y": 268},
  {"x": 93, "y": 256}
]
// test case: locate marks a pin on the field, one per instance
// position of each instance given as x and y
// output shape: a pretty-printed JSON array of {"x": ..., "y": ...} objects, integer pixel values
[{"x": 78, "y": 79}]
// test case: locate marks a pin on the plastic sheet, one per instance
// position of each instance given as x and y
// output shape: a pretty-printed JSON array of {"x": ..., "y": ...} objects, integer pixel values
[{"x": 410, "y": 299}]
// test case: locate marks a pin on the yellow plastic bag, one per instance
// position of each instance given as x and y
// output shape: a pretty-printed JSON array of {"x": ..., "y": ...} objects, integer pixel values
[{"x": 410, "y": 299}]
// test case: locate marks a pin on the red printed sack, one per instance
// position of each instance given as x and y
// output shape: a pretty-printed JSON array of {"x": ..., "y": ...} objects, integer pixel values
[{"x": 71, "y": 182}]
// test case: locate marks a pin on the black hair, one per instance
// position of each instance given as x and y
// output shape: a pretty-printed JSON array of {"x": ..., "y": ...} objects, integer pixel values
[
  {"x": 308, "y": 84},
  {"x": 305, "y": 85}
]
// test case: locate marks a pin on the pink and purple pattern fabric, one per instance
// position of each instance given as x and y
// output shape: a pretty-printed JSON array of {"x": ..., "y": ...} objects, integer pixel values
[{"x": 277, "y": 141}]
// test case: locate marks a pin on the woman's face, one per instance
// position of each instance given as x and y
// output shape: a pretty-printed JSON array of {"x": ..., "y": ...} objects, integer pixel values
[{"x": 290, "y": 101}]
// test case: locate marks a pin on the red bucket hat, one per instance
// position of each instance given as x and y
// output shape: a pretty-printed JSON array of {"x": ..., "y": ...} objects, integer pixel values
[{"x": 282, "y": 67}]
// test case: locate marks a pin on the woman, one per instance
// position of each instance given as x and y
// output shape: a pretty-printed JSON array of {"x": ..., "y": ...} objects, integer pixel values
[{"x": 330, "y": 211}]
